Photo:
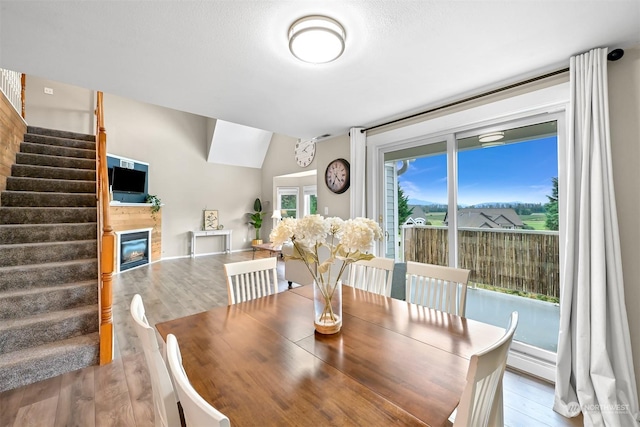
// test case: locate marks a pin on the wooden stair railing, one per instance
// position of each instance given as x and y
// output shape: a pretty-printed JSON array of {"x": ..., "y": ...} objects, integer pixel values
[
  {"x": 106, "y": 240},
  {"x": 23, "y": 91}
]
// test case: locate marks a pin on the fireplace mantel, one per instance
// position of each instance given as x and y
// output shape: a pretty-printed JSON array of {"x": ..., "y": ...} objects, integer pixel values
[{"x": 137, "y": 216}]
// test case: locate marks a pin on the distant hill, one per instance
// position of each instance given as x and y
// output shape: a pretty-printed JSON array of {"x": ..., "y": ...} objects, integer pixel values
[
  {"x": 417, "y": 202},
  {"x": 522, "y": 208}
]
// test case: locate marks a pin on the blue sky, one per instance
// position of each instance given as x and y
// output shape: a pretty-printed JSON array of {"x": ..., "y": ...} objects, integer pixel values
[{"x": 519, "y": 172}]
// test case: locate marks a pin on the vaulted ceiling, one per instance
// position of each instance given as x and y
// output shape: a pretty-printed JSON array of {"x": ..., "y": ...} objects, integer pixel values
[{"x": 230, "y": 60}]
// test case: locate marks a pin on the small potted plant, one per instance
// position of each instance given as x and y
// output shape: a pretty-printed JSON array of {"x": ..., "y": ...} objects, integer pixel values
[
  {"x": 255, "y": 219},
  {"x": 156, "y": 204}
]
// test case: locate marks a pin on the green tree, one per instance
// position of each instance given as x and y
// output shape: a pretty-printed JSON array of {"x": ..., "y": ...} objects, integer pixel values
[
  {"x": 551, "y": 208},
  {"x": 403, "y": 207}
]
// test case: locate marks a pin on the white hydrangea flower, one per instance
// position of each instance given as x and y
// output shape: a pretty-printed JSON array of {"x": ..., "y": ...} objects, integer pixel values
[
  {"x": 283, "y": 232},
  {"x": 311, "y": 231},
  {"x": 357, "y": 235},
  {"x": 344, "y": 241}
]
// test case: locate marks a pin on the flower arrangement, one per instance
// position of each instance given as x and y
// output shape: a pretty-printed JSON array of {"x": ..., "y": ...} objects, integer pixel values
[{"x": 345, "y": 242}]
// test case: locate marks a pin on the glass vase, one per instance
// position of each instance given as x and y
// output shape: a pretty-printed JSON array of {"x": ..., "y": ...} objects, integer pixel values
[{"x": 327, "y": 304}]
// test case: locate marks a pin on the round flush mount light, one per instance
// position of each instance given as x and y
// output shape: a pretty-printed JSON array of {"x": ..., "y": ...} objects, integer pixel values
[
  {"x": 316, "y": 39},
  {"x": 491, "y": 139}
]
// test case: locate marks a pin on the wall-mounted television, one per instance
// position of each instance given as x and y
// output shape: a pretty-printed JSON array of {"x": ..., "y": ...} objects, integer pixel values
[{"x": 128, "y": 180}]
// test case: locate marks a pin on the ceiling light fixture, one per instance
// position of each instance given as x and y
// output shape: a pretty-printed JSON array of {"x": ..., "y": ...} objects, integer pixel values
[
  {"x": 491, "y": 139},
  {"x": 316, "y": 39}
]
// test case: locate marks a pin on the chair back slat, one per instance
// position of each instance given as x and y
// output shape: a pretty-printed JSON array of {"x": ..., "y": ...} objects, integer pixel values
[
  {"x": 436, "y": 286},
  {"x": 165, "y": 405},
  {"x": 481, "y": 400},
  {"x": 197, "y": 411},
  {"x": 375, "y": 275},
  {"x": 248, "y": 280}
]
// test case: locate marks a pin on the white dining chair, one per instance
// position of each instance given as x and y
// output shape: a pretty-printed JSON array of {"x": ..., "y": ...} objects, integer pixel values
[
  {"x": 165, "y": 405},
  {"x": 481, "y": 400},
  {"x": 436, "y": 286},
  {"x": 197, "y": 411},
  {"x": 374, "y": 275},
  {"x": 247, "y": 280}
]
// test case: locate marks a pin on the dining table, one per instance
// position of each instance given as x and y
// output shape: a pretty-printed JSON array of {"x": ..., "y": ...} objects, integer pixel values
[{"x": 261, "y": 362}]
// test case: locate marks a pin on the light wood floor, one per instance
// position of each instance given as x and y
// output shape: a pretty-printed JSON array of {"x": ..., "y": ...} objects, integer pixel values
[{"x": 119, "y": 394}]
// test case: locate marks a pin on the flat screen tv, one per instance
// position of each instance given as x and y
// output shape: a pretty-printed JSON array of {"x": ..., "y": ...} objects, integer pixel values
[{"x": 128, "y": 180}]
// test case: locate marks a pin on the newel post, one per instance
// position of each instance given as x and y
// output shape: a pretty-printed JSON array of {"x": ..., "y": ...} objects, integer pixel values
[{"x": 107, "y": 243}]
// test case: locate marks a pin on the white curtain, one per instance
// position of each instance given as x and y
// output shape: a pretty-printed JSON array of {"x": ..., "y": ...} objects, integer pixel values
[
  {"x": 595, "y": 372},
  {"x": 358, "y": 142}
]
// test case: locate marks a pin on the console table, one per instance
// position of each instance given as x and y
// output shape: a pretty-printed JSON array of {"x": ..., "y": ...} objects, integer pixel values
[{"x": 225, "y": 233}]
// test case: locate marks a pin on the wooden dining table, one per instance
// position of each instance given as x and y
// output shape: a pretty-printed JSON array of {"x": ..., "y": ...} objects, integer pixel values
[{"x": 393, "y": 363}]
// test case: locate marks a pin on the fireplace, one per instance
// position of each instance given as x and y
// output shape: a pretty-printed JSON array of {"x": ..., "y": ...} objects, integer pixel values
[{"x": 134, "y": 248}]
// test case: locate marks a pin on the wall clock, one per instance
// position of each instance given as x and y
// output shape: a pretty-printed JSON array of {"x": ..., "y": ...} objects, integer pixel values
[
  {"x": 337, "y": 176},
  {"x": 304, "y": 152}
]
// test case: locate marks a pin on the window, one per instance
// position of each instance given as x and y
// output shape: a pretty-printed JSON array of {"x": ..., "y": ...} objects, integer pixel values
[
  {"x": 310, "y": 200},
  {"x": 288, "y": 201}
]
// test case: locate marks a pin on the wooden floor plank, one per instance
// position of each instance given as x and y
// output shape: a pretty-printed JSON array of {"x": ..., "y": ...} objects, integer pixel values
[
  {"x": 113, "y": 403},
  {"x": 9, "y": 405},
  {"x": 121, "y": 392},
  {"x": 139, "y": 385},
  {"x": 76, "y": 405},
  {"x": 41, "y": 413}
]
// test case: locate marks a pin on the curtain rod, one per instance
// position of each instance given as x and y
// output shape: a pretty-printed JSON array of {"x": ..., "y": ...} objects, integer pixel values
[
  {"x": 614, "y": 55},
  {"x": 471, "y": 98}
]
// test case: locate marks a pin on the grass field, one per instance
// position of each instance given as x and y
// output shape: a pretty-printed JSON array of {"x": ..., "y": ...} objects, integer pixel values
[
  {"x": 436, "y": 218},
  {"x": 536, "y": 220}
]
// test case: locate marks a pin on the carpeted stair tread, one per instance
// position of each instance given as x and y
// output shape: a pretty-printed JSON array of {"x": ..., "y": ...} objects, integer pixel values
[
  {"x": 45, "y": 185},
  {"x": 61, "y": 142},
  {"x": 54, "y": 150},
  {"x": 42, "y": 253},
  {"x": 47, "y": 215},
  {"x": 49, "y": 274},
  {"x": 41, "y": 233},
  {"x": 44, "y": 199},
  {"x": 55, "y": 161},
  {"x": 43, "y": 328},
  {"x": 26, "y": 302},
  {"x": 52, "y": 172},
  {"x": 49, "y": 313},
  {"x": 60, "y": 133},
  {"x": 38, "y": 363}
]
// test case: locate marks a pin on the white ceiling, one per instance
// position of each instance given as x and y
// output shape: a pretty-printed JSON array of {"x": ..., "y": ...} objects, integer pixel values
[{"x": 229, "y": 59}]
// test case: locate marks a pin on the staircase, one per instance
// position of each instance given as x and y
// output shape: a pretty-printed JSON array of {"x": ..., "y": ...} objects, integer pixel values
[{"x": 48, "y": 259}]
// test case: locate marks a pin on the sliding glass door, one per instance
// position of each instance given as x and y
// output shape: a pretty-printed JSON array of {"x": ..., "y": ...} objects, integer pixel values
[
  {"x": 486, "y": 199},
  {"x": 507, "y": 227}
]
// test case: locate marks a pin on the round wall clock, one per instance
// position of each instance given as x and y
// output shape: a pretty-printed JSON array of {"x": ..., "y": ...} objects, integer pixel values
[
  {"x": 304, "y": 152},
  {"x": 337, "y": 176}
]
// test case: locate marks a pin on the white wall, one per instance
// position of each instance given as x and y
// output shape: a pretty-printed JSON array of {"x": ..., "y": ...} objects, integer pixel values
[
  {"x": 624, "y": 111},
  {"x": 174, "y": 144},
  {"x": 70, "y": 108}
]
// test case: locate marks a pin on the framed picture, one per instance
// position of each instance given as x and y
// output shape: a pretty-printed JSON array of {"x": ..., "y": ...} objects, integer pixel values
[{"x": 210, "y": 220}]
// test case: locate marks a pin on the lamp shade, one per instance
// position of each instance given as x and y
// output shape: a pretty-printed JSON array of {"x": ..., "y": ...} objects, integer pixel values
[
  {"x": 316, "y": 39},
  {"x": 276, "y": 214}
]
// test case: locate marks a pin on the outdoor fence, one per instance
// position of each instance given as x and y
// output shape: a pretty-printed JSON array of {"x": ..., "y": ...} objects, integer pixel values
[{"x": 519, "y": 260}]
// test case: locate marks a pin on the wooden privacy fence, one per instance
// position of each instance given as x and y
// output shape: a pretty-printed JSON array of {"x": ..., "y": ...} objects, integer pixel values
[{"x": 520, "y": 260}]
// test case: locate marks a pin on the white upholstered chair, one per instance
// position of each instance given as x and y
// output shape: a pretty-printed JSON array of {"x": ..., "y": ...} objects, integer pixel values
[
  {"x": 247, "y": 280},
  {"x": 197, "y": 411},
  {"x": 374, "y": 275},
  {"x": 295, "y": 270},
  {"x": 436, "y": 286},
  {"x": 481, "y": 400},
  {"x": 164, "y": 398}
]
